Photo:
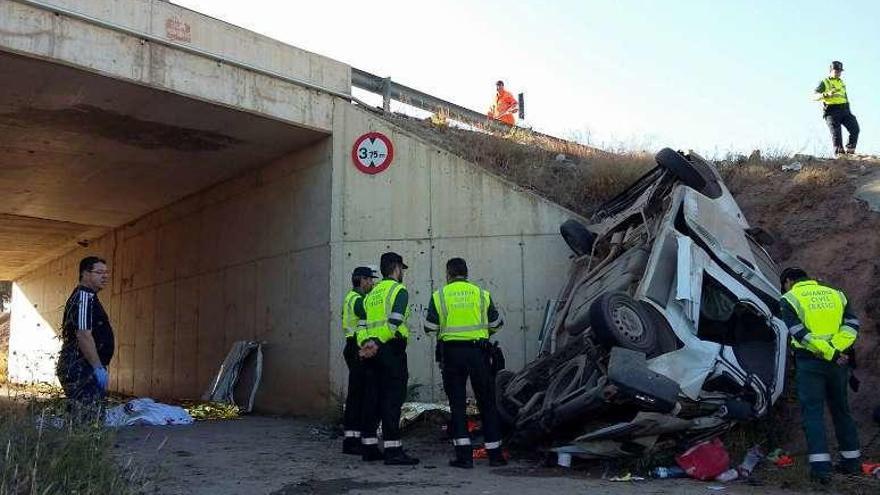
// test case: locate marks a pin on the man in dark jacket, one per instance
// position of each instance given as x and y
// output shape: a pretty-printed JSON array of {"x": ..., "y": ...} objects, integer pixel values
[{"x": 88, "y": 344}]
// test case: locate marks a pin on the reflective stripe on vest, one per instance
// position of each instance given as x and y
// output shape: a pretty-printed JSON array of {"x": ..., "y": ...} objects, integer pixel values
[
  {"x": 819, "y": 308},
  {"x": 835, "y": 85},
  {"x": 349, "y": 319},
  {"x": 378, "y": 305},
  {"x": 463, "y": 310}
]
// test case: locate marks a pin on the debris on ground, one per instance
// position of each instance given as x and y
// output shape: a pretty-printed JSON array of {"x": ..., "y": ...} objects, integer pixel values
[
  {"x": 705, "y": 461},
  {"x": 482, "y": 453},
  {"x": 668, "y": 472},
  {"x": 563, "y": 459},
  {"x": 626, "y": 477},
  {"x": 729, "y": 475},
  {"x": 751, "y": 460},
  {"x": 203, "y": 411},
  {"x": 410, "y": 412},
  {"x": 780, "y": 458},
  {"x": 871, "y": 469},
  {"x": 239, "y": 376},
  {"x": 792, "y": 167}
]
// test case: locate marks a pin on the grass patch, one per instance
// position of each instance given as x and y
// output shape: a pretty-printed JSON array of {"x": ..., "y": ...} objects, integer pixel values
[{"x": 38, "y": 459}]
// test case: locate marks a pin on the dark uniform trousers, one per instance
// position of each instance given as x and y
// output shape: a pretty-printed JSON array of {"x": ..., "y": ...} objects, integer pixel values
[
  {"x": 460, "y": 361},
  {"x": 834, "y": 118},
  {"x": 355, "y": 396},
  {"x": 817, "y": 381},
  {"x": 385, "y": 377}
]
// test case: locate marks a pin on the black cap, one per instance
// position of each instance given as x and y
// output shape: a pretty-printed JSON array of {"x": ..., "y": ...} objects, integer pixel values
[
  {"x": 391, "y": 257},
  {"x": 836, "y": 65},
  {"x": 794, "y": 273},
  {"x": 364, "y": 271}
]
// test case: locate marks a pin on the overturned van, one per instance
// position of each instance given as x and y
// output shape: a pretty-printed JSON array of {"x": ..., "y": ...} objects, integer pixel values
[{"x": 665, "y": 330}]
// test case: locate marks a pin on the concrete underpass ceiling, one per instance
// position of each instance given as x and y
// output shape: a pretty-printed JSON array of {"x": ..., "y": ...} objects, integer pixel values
[{"x": 81, "y": 153}]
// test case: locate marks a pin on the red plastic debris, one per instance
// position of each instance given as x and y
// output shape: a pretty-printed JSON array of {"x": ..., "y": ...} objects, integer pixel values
[
  {"x": 705, "y": 460},
  {"x": 481, "y": 453},
  {"x": 871, "y": 468},
  {"x": 784, "y": 461}
]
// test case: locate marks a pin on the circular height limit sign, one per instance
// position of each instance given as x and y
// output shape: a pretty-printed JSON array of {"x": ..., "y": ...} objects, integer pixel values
[{"x": 372, "y": 153}]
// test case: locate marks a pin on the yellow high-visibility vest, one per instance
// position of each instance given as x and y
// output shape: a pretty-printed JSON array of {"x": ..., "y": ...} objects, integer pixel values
[
  {"x": 350, "y": 320},
  {"x": 820, "y": 310},
  {"x": 837, "y": 88},
  {"x": 463, "y": 309},
  {"x": 379, "y": 307}
]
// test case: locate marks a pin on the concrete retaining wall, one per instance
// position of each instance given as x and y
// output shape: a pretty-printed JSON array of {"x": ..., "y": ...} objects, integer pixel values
[{"x": 429, "y": 206}]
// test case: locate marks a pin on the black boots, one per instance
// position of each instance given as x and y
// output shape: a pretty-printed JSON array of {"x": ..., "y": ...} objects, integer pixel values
[
  {"x": 849, "y": 466},
  {"x": 371, "y": 453},
  {"x": 395, "y": 456},
  {"x": 464, "y": 457},
  {"x": 496, "y": 457},
  {"x": 352, "y": 446}
]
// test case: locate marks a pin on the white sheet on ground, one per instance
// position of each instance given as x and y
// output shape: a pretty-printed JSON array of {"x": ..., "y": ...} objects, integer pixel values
[{"x": 146, "y": 411}]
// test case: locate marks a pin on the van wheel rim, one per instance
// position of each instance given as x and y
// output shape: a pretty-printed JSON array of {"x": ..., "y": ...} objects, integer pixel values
[{"x": 628, "y": 323}]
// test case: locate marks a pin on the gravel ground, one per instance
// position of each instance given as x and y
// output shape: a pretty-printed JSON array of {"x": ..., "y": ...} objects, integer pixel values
[{"x": 262, "y": 455}]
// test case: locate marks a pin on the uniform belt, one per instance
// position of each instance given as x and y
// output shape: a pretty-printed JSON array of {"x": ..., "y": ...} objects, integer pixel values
[
  {"x": 465, "y": 343},
  {"x": 398, "y": 340},
  {"x": 805, "y": 354}
]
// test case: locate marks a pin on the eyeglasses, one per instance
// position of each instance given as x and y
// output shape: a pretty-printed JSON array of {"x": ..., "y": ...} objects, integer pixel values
[{"x": 100, "y": 272}]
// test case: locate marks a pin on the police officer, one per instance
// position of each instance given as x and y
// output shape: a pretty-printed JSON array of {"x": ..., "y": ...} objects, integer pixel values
[
  {"x": 87, "y": 342},
  {"x": 831, "y": 91},
  {"x": 362, "y": 280},
  {"x": 464, "y": 316},
  {"x": 382, "y": 340},
  {"x": 823, "y": 329}
]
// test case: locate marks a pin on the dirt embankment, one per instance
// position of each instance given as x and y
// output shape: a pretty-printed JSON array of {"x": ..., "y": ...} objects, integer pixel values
[
  {"x": 575, "y": 176},
  {"x": 819, "y": 226}
]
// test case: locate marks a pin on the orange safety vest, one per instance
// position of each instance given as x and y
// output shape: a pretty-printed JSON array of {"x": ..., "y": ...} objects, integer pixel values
[{"x": 506, "y": 106}]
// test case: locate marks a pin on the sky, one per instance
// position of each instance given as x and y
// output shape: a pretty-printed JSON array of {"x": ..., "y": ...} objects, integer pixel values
[{"x": 715, "y": 76}]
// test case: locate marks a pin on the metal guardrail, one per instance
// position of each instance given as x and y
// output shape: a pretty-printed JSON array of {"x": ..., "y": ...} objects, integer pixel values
[{"x": 391, "y": 90}]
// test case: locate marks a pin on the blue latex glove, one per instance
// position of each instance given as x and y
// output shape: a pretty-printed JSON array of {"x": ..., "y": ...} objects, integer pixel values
[{"x": 102, "y": 376}]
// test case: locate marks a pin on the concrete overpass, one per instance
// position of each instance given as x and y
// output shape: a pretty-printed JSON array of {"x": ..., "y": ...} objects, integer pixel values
[{"x": 213, "y": 168}]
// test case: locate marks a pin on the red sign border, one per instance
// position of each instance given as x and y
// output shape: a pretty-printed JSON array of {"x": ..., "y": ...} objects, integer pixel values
[{"x": 372, "y": 170}]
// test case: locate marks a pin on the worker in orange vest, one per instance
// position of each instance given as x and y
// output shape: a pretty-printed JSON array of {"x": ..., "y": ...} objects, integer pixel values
[{"x": 505, "y": 107}]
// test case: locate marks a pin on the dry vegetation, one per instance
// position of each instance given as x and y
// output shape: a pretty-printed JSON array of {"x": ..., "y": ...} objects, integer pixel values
[
  {"x": 574, "y": 176},
  {"x": 4, "y": 345},
  {"x": 38, "y": 458}
]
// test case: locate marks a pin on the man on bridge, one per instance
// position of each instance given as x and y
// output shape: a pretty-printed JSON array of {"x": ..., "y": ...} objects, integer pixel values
[{"x": 506, "y": 106}]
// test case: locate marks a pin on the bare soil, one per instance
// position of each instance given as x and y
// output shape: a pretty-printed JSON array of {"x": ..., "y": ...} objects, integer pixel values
[{"x": 819, "y": 226}]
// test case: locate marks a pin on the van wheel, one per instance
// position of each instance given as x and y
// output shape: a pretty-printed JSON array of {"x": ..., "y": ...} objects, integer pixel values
[
  {"x": 695, "y": 174},
  {"x": 620, "y": 321},
  {"x": 578, "y": 238}
]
